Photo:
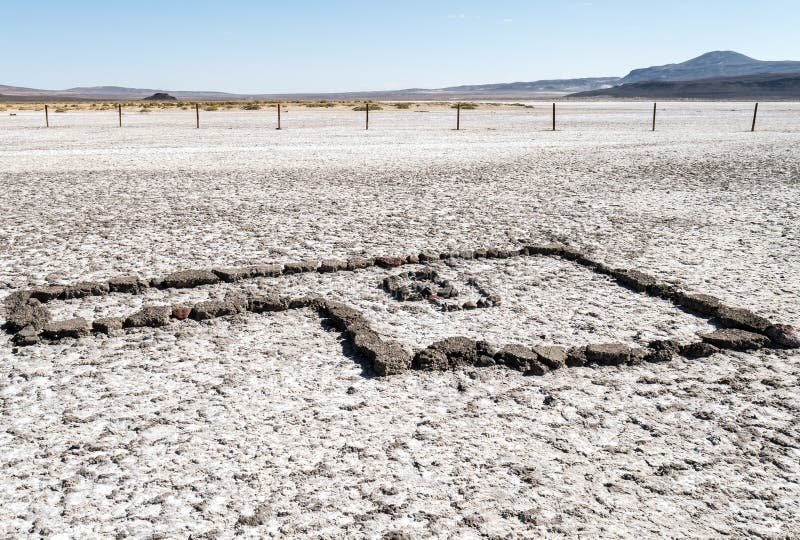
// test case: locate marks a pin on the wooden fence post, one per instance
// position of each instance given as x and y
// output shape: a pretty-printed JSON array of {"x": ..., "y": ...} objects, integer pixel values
[
  {"x": 755, "y": 113},
  {"x": 554, "y": 116},
  {"x": 197, "y": 114},
  {"x": 46, "y": 117},
  {"x": 119, "y": 108},
  {"x": 458, "y": 116},
  {"x": 279, "y": 115},
  {"x": 367, "y": 109},
  {"x": 654, "y": 116}
]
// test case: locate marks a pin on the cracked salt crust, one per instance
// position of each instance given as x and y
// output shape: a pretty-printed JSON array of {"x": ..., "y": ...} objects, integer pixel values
[{"x": 189, "y": 428}]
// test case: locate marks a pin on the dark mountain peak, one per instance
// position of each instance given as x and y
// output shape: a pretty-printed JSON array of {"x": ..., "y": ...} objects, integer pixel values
[{"x": 709, "y": 65}]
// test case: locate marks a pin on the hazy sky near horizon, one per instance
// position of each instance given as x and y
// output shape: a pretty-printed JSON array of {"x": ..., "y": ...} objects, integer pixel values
[{"x": 249, "y": 46}]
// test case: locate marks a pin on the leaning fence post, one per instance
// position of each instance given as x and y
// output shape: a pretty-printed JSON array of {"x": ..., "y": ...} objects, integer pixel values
[
  {"x": 197, "y": 115},
  {"x": 46, "y": 117},
  {"x": 755, "y": 113},
  {"x": 279, "y": 115},
  {"x": 458, "y": 116},
  {"x": 554, "y": 116},
  {"x": 119, "y": 108},
  {"x": 367, "y": 109},
  {"x": 654, "y": 116}
]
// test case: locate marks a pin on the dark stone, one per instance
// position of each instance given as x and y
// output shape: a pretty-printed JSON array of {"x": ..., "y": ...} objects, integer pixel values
[
  {"x": 151, "y": 316},
  {"x": 661, "y": 355},
  {"x": 306, "y": 302},
  {"x": 212, "y": 309},
  {"x": 743, "y": 319},
  {"x": 576, "y": 357},
  {"x": 784, "y": 335},
  {"x": 552, "y": 248},
  {"x": 469, "y": 304},
  {"x": 84, "y": 289},
  {"x": 664, "y": 345},
  {"x": 608, "y": 354},
  {"x": 736, "y": 339},
  {"x": 266, "y": 270},
  {"x": 498, "y": 253},
  {"x": 332, "y": 265},
  {"x": 430, "y": 360},
  {"x": 553, "y": 356},
  {"x": 699, "y": 349},
  {"x": 70, "y": 328},
  {"x": 27, "y": 336},
  {"x": 106, "y": 325},
  {"x": 522, "y": 359},
  {"x": 186, "y": 279},
  {"x": 126, "y": 284},
  {"x": 389, "y": 262},
  {"x": 181, "y": 313},
  {"x": 480, "y": 253},
  {"x": 635, "y": 280},
  {"x": 704, "y": 304},
  {"x": 385, "y": 357},
  {"x": 345, "y": 318},
  {"x": 664, "y": 290},
  {"x": 233, "y": 274},
  {"x": 22, "y": 310},
  {"x": 428, "y": 256},
  {"x": 267, "y": 302},
  {"x": 50, "y": 292},
  {"x": 357, "y": 263},
  {"x": 459, "y": 350},
  {"x": 300, "y": 267}
]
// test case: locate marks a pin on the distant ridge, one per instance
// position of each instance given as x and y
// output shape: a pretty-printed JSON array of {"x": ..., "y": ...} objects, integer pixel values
[
  {"x": 762, "y": 86},
  {"x": 714, "y": 64},
  {"x": 711, "y": 67}
]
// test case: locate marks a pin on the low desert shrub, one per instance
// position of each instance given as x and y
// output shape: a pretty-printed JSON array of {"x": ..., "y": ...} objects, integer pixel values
[{"x": 464, "y": 105}]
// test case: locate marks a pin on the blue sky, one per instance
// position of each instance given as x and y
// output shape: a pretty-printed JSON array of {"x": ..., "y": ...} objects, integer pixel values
[{"x": 315, "y": 45}]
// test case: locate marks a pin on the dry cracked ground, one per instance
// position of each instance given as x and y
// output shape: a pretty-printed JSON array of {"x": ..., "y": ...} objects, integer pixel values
[{"x": 264, "y": 425}]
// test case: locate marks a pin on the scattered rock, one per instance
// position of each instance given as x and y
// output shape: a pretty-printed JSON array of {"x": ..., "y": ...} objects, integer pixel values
[
  {"x": 430, "y": 360},
  {"x": 553, "y": 356},
  {"x": 306, "y": 302},
  {"x": 701, "y": 303},
  {"x": 332, "y": 265},
  {"x": 736, "y": 339},
  {"x": 548, "y": 401},
  {"x": 699, "y": 349},
  {"x": 70, "y": 328},
  {"x": 22, "y": 310},
  {"x": 389, "y": 262},
  {"x": 212, "y": 309},
  {"x": 181, "y": 313},
  {"x": 152, "y": 316},
  {"x": 576, "y": 357},
  {"x": 27, "y": 336},
  {"x": 267, "y": 302},
  {"x": 662, "y": 350},
  {"x": 634, "y": 280},
  {"x": 784, "y": 335},
  {"x": 522, "y": 359},
  {"x": 84, "y": 289},
  {"x": 345, "y": 318},
  {"x": 233, "y": 274},
  {"x": 743, "y": 319},
  {"x": 357, "y": 263},
  {"x": 46, "y": 294},
  {"x": 608, "y": 354},
  {"x": 126, "y": 284},
  {"x": 300, "y": 267},
  {"x": 385, "y": 357},
  {"x": 412, "y": 259},
  {"x": 186, "y": 279},
  {"x": 106, "y": 325},
  {"x": 428, "y": 256}
]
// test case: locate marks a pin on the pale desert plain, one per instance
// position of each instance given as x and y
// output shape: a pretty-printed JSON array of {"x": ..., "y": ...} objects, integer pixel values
[{"x": 261, "y": 425}]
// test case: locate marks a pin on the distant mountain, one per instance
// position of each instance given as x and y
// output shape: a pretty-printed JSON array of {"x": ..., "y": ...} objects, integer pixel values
[
  {"x": 711, "y": 65},
  {"x": 717, "y": 65},
  {"x": 515, "y": 90},
  {"x": 762, "y": 86}
]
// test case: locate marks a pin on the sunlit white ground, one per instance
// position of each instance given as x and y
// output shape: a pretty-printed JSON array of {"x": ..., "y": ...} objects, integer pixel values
[{"x": 191, "y": 428}]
